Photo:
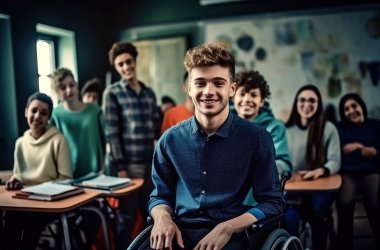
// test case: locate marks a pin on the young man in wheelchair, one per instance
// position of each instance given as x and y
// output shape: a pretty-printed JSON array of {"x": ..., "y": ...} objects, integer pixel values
[{"x": 204, "y": 167}]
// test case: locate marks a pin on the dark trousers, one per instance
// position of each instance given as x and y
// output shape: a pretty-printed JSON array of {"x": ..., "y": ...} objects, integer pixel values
[
  {"x": 22, "y": 230},
  {"x": 191, "y": 237},
  {"x": 314, "y": 208},
  {"x": 130, "y": 205},
  {"x": 352, "y": 185}
]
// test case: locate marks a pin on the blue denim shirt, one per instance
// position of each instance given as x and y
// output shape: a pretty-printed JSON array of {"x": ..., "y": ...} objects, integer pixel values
[{"x": 206, "y": 178}]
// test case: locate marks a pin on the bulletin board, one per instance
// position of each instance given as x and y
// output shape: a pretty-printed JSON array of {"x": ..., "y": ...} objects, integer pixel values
[{"x": 337, "y": 52}]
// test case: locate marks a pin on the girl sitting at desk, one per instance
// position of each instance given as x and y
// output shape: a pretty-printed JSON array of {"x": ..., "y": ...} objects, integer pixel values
[
  {"x": 360, "y": 139},
  {"x": 41, "y": 154},
  {"x": 315, "y": 152}
]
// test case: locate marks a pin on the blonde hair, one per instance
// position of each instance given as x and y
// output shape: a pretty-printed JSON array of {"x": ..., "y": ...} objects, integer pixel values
[{"x": 57, "y": 77}]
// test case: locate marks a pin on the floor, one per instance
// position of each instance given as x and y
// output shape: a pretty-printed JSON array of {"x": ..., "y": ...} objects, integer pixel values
[
  {"x": 363, "y": 238},
  {"x": 362, "y": 231}
]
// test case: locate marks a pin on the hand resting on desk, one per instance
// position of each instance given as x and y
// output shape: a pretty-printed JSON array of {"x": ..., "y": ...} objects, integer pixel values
[
  {"x": 13, "y": 184},
  {"x": 310, "y": 174}
]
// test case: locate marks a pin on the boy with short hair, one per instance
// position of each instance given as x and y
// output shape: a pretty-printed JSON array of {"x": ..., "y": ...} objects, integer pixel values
[
  {"x": 132, "y": 126},
  {"x": 204, "y": 167},
  {"x": 250, "y": 102},
  {"x": 41, "y": 154}
]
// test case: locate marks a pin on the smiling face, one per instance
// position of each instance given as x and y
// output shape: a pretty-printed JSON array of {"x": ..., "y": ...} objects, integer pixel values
[
  {"x": 68, "y": 90},
  {"x": 353, "y": 111},
  {"x": 37, "y": 115},
  {"x": 248, "y": 104},
  {"x": 210, "y": 88},
  {"x": 125, "y": 65},
  {"x": 307, "y": 105}
]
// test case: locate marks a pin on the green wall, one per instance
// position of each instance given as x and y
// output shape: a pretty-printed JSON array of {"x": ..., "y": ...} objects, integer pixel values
[
  {"x": 18, "y": 75},
  {"x": 8, "y": 125}
]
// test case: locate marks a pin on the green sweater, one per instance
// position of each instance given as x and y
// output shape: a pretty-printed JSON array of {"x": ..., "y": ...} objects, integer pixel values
[
  {"x": 84, "y": 131},
  {"x": 277, "y": 129}
]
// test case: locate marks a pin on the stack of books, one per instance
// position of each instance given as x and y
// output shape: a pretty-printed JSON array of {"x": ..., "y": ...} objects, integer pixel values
[
  {"x": 105, "y": 183},
  {"x": 48, "y": 191}
]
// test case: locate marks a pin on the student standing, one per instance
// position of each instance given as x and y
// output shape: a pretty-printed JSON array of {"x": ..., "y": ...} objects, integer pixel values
[
  {"x": 204, "y": 167},
  {"x": 360, "y": 139},
  {"x": 81, "y": 123},
  {"x": 315, "y": 152},
  {"x": 132, "y": 125},
  {"x": 41, "y": 154}
]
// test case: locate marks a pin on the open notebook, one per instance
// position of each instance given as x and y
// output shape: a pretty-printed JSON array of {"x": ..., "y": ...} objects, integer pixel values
[{"x": 48, "y": 191}]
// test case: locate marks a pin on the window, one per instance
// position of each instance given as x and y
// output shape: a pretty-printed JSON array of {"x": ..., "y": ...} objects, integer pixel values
[
  {"x": 55, "y": 48},
  {"x": 46, "y": 64}
]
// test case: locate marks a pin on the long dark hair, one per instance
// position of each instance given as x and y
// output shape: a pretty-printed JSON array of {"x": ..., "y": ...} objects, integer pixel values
[
  {"x": 356, "y": 98},
  {"x": 315, "y": 152}
]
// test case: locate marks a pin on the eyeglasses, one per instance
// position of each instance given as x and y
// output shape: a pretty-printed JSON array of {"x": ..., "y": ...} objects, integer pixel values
[{"x": 310, "y": 100}]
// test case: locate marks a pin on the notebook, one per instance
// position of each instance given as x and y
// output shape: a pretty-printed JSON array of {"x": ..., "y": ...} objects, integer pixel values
[
  {"x": 48, "y": 191},
  {"x": 105, "y": 182}
]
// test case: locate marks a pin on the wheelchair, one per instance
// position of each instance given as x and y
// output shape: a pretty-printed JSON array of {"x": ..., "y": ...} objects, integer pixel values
[{"x": 264, "y": 234}]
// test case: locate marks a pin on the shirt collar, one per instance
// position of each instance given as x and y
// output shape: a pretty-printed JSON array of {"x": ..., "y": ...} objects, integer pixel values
[
  {"x": 223, "y": 131},
  {"x": 125, "y": 84}
]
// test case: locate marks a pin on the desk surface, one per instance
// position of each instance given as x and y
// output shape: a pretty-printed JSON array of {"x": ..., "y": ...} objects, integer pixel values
[
  {"x": 7, "y": 202},
  {"x": 329, "y": 183}
]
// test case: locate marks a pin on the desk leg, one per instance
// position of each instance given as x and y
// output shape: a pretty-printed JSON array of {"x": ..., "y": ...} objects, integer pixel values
[
  {"x": 66, "y": 233},
  {"x": 103, "y": 221}
]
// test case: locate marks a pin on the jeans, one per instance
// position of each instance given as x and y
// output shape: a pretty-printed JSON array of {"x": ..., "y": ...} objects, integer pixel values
[{"x": 314, "y": 208}]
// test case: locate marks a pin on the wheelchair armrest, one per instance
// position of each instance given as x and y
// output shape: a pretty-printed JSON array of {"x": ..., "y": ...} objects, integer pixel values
[
  {"x": 285, "y": 176},
  {"x": 268, "y": 222},
  {"x": 260, "y": 230}
]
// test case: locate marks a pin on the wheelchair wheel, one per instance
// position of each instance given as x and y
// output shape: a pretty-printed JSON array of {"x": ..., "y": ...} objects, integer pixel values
[
  {"x": 142, "y": 241},
  {"x": 280, "y": 238}
]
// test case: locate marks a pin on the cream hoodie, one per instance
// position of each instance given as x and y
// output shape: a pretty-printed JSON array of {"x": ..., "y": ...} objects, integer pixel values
[{"x": 44, "y": 159}]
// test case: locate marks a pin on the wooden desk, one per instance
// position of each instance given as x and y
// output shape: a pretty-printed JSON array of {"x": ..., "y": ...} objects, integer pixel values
[
  {"x": 7, "y": 202},
  {"x": 328, "y": 183},
  {"x": 136, "y": 185},
  {"x": 64, "y": 205}
]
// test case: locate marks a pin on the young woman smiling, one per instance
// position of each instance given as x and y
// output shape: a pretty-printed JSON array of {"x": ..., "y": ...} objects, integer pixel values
[
  {"x": 315, "y": 152},
  {"x": 360, "y": 139}
]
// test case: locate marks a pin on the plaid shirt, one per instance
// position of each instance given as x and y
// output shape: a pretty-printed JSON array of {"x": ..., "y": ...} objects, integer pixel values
[{"x": 132, "y": 123}]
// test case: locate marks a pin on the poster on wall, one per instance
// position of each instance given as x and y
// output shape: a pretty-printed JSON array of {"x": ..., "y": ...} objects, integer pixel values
[{"x": 337, "y": 52}]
